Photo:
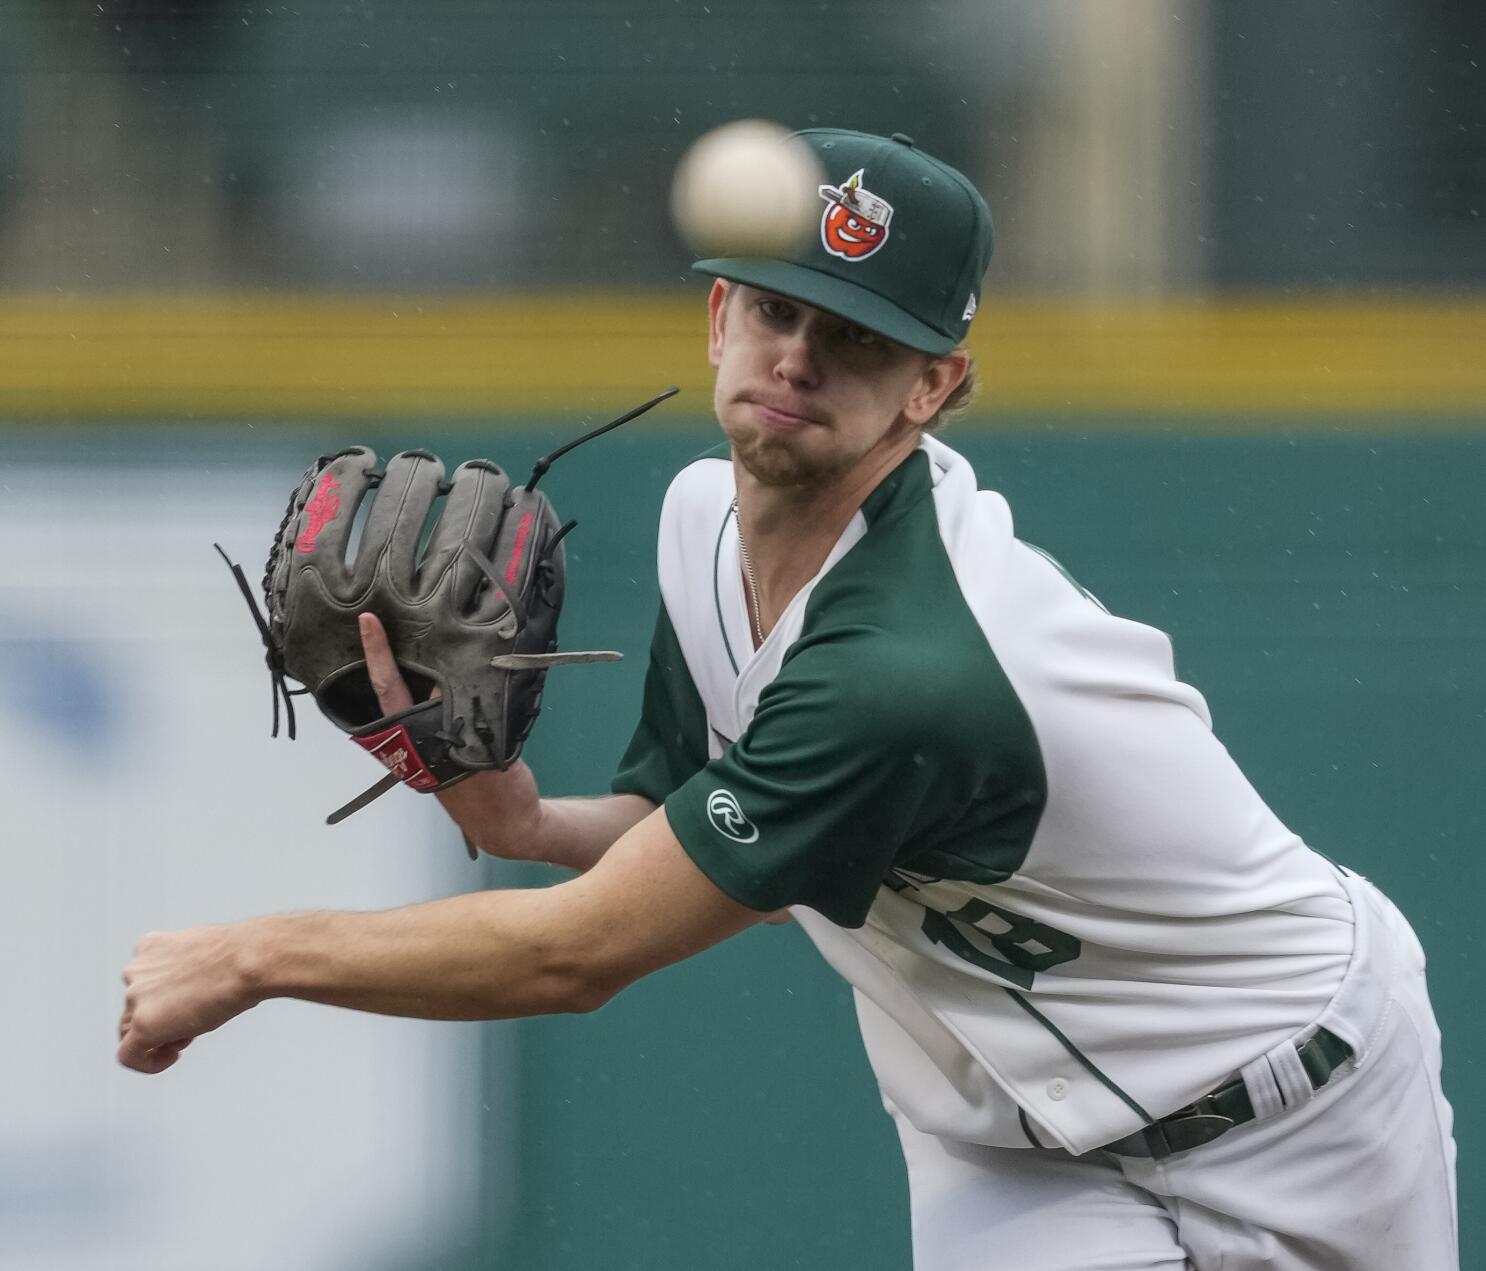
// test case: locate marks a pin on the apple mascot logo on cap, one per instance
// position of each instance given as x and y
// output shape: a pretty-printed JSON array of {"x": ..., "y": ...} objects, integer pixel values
[{"x": 855, "y": 221}]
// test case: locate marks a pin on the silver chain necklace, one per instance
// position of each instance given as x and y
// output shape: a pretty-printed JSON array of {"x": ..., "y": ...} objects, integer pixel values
[{"x": 758, "y": 620}]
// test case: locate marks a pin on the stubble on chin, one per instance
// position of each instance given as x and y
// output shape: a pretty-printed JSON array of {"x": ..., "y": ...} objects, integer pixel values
[
  {"x": 776, "y": 462},
  {"x": 779, "y": 460}
]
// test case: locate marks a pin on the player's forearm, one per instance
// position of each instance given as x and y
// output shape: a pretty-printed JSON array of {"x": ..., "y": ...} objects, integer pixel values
[
  {"x": 490, "y": 955},
  {"x": 502, "y": 813},
  {"x": 576, "y": 832}
]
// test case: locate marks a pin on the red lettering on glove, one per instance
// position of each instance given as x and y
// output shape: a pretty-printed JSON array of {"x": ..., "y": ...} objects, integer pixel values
[
  {"x": 523, "y": 532},
  {"x": 319, "y": 512},
  {"x": 395, "y": 749}
]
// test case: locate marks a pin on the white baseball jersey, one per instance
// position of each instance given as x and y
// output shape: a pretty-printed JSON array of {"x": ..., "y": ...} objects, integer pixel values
[{"x": 991, "y": 805}]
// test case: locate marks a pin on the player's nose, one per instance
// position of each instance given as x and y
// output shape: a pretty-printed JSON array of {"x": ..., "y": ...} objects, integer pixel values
[{"x": 797, "y": 358}]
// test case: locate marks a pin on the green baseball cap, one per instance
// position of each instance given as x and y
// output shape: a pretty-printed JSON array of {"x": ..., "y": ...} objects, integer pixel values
[{"x": 902, "y": 248}]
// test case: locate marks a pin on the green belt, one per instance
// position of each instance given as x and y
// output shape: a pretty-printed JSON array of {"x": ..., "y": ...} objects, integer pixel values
[{"x": 1204, "y": 1119}]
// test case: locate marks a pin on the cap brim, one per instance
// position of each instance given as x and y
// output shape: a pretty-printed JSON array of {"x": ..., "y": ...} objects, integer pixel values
[{"x": 845, "y": 299}]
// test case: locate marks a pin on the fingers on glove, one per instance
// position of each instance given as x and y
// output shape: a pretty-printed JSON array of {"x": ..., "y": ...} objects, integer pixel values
[
  {"x": 528, "y": 527},
  {"x": 392, "y": 691},
  {"x": 395, "y": 523},
  {"x": 471, "y": 513},
  {"x": 329, "y": 502}
]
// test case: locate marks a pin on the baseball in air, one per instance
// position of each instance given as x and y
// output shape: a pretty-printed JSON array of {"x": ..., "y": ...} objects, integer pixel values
[{"x": 749, "y": 188}]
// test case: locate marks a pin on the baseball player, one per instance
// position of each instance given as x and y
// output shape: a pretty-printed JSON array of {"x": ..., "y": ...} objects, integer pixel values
[{"x": 1121, "y": 1016}]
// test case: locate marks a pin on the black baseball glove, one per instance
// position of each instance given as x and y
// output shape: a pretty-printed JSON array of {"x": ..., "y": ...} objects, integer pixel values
[
  {"x": 469, "y": 591},
  {"x": 466, "y": 575}
]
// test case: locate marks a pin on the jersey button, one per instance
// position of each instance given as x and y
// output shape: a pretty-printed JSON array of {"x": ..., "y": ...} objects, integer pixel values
[{"x": 1057, "y": 1088}]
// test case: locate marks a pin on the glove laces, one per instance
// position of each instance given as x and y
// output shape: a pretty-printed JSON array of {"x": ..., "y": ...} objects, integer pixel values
[{"x": 274, "y": 656}]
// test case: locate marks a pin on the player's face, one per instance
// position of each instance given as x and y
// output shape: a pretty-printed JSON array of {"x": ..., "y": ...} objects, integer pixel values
[{"x": 805, "y": 397}]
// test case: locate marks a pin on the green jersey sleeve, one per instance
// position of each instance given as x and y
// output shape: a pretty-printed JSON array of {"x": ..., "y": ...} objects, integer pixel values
[
  {"x": 670, "y": 741},
  {"x": 847, "y": 766}
]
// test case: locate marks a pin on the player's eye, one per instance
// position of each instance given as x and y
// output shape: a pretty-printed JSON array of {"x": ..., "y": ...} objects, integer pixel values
[
  {"x": 853, "y": 223},
  {"x": 774, "y": 310},
  {"x": 860, "y": 337}
]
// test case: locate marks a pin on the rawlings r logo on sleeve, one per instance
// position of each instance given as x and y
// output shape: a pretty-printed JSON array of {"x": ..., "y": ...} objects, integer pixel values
[{"x": 727, "y": 817}]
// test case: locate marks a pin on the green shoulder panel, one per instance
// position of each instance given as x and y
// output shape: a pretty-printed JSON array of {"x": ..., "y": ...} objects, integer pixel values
[
  {"x": 891, "y": 738},
  {"x": 670, "y": 742}
]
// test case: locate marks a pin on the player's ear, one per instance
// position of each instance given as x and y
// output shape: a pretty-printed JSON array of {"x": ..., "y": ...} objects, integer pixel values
[
  {"x": 717, "y": 303},
  {"x": 939, "y": 379}
]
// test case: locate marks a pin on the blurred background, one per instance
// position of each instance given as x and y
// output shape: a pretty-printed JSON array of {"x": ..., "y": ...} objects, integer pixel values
[{"x": 1234, "y": 360}]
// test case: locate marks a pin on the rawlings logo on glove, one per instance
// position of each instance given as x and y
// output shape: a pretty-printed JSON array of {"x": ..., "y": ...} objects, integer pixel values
[
  {"x": 394, "y": 748},
  {"x": 319, "y": 512}
]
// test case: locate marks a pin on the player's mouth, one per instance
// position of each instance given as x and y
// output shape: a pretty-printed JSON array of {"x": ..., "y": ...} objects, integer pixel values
[{"x": 780, "y": 416}]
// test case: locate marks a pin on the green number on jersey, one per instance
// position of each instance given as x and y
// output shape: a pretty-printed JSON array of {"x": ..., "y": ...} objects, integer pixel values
[{"x": 1019, "y": 948}]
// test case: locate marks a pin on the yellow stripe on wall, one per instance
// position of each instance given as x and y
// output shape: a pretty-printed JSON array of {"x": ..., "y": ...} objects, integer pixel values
[{"x": 240, "y": 355}]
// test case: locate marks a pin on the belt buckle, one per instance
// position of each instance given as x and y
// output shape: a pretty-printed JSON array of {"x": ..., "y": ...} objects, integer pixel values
[{"x": 1198, "y": 1123}]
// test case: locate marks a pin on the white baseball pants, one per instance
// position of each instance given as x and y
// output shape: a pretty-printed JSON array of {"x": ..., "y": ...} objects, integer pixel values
[{"x": 1356, "y": 1176}]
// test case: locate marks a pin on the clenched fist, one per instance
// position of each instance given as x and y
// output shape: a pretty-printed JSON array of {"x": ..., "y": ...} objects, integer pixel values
[{"x": 179, "y": 985}]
